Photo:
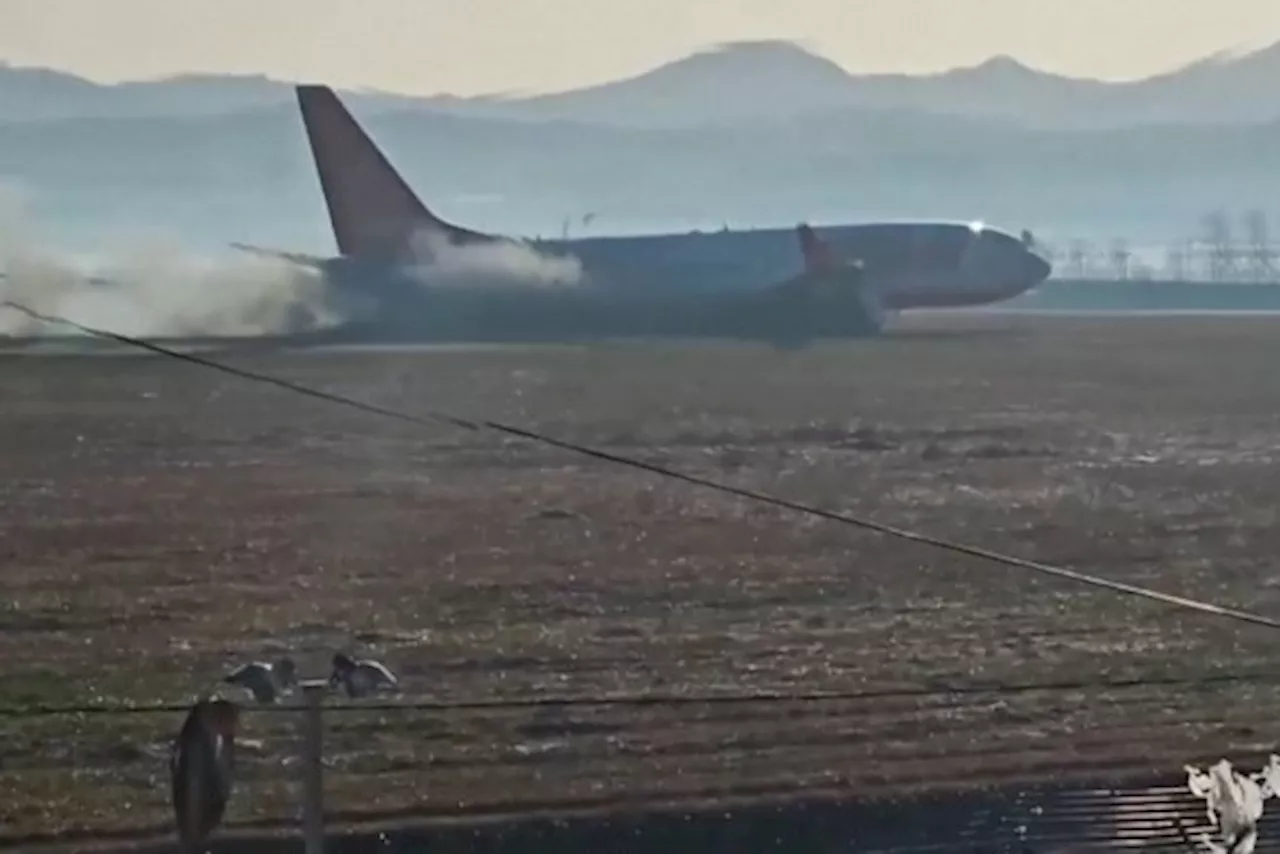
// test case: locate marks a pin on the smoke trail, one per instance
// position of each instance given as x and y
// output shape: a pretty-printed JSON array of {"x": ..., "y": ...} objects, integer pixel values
[
  {"x": 151, "y": 286},
  {"x": 499, "y": 263}
]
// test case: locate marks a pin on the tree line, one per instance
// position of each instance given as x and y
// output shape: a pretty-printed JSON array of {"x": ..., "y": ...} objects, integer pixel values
[{"x": 1226, "y": 249}]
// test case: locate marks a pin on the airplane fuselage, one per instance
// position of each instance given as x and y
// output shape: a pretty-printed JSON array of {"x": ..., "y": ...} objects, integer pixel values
[
  {"x": 692, "y": 284},
  {"x": 404, "y": 272},
  {"x": 909, "y": 264},
  {"x": 398, "y": 306}
]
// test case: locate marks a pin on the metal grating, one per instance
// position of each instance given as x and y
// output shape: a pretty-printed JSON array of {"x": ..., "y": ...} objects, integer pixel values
[{"x": 1148, "y": 819}]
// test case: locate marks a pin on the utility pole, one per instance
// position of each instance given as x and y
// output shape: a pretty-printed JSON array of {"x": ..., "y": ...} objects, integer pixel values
[{"x": 1261, "y": 258}]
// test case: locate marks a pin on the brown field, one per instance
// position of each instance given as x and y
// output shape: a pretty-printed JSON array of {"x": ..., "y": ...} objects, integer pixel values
[{"x": 162, "y": 523}]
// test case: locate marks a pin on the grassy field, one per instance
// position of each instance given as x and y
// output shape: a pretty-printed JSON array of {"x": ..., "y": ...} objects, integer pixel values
[{"x": 162, "y": 524}]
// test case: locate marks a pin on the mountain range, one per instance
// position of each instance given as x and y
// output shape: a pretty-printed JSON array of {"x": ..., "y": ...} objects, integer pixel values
[
  {"x": 759, "y": 133},
  {"x": 733, "y": 84}
]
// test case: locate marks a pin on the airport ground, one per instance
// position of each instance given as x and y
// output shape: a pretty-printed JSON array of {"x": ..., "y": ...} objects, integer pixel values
[{"x": 162, "y": 523}]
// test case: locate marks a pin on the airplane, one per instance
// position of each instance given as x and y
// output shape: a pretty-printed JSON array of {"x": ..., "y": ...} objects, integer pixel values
[
  {"x": 396, "y": 259},
  {"x": 396, "y": 275}
]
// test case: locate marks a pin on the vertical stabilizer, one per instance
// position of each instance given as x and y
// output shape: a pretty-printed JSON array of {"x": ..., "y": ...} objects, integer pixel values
[
  {"x": 818, "y": 255},
  {"x": 373, "y": 211}
]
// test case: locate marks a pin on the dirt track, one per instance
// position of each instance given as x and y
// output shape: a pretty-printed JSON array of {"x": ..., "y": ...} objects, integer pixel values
[{"x": 161, "y": 524}]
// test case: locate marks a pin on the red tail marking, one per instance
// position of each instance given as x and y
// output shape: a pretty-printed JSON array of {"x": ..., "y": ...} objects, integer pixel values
[{"x": 818, "y": 255}]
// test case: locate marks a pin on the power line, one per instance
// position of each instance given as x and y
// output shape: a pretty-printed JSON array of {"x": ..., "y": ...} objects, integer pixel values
[
  {"x": 433, "y": 417},
  {"x": 678, "y": 700}
]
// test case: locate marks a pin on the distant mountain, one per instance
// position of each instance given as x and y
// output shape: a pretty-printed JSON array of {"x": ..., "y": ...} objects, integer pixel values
[
  {"x": 760, "y": 81},
  {"x": 40, "y": 94},
  {"x": 746, "y": 83}
]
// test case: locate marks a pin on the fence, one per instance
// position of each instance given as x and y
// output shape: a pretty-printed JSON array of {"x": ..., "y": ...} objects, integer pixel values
[
  {"x": 1156, "y": 813},
  {"x": 313, "y": 693},
  {"x": 1148, "y": 817}
]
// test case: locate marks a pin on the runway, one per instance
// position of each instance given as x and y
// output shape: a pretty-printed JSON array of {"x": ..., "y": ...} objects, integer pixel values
[
  {"x": 942, "y": 321},
  {"x": 1000, "y": 311}
]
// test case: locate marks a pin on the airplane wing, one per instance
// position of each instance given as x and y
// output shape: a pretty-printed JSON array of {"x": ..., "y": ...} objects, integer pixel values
[
  {"x": 830, "y": 285},
  {"x": 826, "y": 273}
]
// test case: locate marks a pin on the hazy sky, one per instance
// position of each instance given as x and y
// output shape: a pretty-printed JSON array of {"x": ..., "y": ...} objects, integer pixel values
[{"x": 469, "y": 46}]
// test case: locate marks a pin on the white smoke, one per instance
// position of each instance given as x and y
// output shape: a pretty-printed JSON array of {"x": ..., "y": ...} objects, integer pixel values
[
  {"x": 505, "y": 262},
  {"x": 149, "y": 286}
]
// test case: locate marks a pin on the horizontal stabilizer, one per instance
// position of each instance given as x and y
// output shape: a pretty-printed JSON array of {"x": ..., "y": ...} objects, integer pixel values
[
  {"x": 298, "y": 258},
  {"x": 96, "y": 281}
]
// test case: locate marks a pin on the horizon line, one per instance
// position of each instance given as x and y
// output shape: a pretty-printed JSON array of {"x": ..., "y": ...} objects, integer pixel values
[{"x": 1226, "y": 54}]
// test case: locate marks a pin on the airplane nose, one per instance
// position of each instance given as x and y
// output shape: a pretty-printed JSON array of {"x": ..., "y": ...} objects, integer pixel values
[{"x": 1038, "y": 269}]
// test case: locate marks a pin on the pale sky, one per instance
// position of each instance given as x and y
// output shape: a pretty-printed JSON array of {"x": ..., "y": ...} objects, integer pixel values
[{"x": 472, "y": 46}]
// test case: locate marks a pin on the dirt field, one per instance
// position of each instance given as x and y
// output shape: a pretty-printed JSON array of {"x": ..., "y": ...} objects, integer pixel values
[{"x": 162, "y": 524}]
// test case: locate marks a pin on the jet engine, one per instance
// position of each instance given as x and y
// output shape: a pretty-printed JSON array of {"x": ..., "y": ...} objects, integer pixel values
[{"x": 833, "y": 296}]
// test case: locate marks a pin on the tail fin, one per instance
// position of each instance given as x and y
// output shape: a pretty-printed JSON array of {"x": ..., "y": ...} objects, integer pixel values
[
  {"x": 818, "y": 255},
  {"x": 373, "y": 211}
]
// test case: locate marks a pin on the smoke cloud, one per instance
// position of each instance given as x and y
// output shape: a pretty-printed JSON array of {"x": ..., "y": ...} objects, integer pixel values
[
  {"x": 150, "y": 285},
  {"x": 499, "y": 263}
]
